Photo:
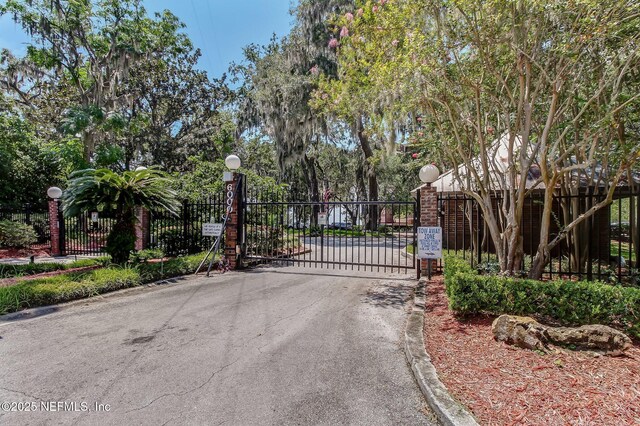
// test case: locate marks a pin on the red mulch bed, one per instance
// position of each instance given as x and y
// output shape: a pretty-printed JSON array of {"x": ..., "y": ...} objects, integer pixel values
[
  {"x": 505, "y": 385},
  {"x": 10, "y": 253}
]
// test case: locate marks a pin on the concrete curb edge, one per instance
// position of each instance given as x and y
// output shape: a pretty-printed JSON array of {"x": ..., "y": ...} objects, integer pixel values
[{"x": 448, "y": 411}]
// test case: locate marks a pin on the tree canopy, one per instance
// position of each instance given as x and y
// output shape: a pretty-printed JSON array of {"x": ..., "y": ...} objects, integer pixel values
[{"x": 554, "y": 82}]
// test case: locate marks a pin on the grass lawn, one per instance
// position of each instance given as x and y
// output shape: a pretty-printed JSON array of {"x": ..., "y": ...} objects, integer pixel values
[{"x": 622, "y": 249}]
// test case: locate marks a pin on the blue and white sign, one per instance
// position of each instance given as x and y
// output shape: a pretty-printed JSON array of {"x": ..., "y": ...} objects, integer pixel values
[{"x": 429, "y": 242}]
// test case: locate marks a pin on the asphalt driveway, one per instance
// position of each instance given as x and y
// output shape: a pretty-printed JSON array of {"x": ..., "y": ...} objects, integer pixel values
[{"x": 270, "y": 346}]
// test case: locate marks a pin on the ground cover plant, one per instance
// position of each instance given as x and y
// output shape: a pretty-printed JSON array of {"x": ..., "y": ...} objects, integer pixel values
[
  {"x": 78, "y": 285},
  {"x": 10, "y": 271}
]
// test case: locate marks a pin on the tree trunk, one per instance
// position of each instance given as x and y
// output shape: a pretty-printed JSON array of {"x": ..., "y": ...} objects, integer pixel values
[
  {"x": 543, "y": 254},
  {"x": 365, "y": 145},
  {"x": 313, "y": 186}
]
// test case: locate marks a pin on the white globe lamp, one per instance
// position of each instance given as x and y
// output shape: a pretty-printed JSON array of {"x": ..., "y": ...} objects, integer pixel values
[
  {"x": 232, "y": 162},
  {"x": 54, "y": 192},
  {"x": 429, "y": 173}
]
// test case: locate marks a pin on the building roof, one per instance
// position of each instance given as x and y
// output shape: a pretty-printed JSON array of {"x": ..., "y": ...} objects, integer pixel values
[{"x": 499, "y": 151}]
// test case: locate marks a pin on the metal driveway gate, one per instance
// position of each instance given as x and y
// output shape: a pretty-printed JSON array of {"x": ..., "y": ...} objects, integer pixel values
[{"x": 356, "y": 235}]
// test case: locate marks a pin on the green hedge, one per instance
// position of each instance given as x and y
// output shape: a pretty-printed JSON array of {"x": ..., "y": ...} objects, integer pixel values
[
  {"x": 8, "y": 271},
  {"x": 78, "y": 285},
  {"x": 567, "y": 302}
]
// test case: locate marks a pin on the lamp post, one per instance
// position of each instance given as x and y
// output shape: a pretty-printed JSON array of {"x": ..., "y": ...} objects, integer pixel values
[
  {"x": 234, "y": 238},
  {"x": 428, "y": 204},
  {"x": 56, "y": 221}
]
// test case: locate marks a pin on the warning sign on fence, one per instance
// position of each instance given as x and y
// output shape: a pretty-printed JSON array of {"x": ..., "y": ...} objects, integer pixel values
[
  {"x": 429, "y": 242},
  {"x": 211, "y": 229}
]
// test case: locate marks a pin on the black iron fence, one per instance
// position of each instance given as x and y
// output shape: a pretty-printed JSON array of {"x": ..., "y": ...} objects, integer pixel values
[
  {"x": 605, "y": 246},
  {"x": 335, "y": 234},
  {"x": 182, "y": 234},
  {"x": 29, "y": 214},
  {"x": 86, "y": 233}
]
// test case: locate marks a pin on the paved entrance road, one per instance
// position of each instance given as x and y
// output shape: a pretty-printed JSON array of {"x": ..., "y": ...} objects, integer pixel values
[{"x": 271, "y": 346}]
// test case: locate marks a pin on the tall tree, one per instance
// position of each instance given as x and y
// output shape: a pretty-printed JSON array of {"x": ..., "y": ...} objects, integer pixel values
[
  {"x": 505, "y": 89},
  {"x": 117, "y": 77}
]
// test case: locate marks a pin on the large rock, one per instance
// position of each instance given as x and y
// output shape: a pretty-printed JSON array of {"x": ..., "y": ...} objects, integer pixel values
[
  {"x": 527, "y": 333},
  {"x": 524, "y": 332},
  {"x": 592, "y": 337}
]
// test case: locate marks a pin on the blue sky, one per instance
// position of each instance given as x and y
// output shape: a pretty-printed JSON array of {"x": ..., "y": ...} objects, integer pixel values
[{"x": 220, "y": 28}]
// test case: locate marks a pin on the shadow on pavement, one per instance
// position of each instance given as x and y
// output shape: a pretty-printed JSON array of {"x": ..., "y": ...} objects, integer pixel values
[
  {"x": 290, "y": 270},
  {"x": 389, "y": 295},
  {"x": 28, "y": 314}
]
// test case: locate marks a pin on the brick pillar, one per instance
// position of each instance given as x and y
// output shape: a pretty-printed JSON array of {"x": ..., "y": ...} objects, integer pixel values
[
  {"x": 54, "y": 228},
  {"x": 142, "y": 228},
  {"x": 231, "y": 240},
  {"x": 428, "y": 217}
]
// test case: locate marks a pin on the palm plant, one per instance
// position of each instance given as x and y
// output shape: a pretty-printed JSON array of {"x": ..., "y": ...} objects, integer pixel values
[{"x": 116, "y": 194}]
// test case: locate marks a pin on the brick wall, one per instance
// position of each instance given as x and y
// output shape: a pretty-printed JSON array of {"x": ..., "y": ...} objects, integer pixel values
[
  {"x": 231, "y": 241},
  {"x": 428, "y": 217},
  {"x": 54, "y": 228},
  {"x": 142, "y": 228}
]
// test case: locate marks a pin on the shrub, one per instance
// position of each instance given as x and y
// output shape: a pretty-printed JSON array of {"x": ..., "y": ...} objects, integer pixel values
[
  {"x": 41, "y": 228},
  {"x": 265, "y": 240},
  {"x": 565, "y": 302},
  {"x": 13, "y": 234},
  {"x": 384, "y": 229},
  {"x": 143, "y": 256},
  {"x": 173, "y": 267},
  {"x": 315, "y": 230},
  {"x": 63, "y": 288},
  {"x": 172, "y": 242}
]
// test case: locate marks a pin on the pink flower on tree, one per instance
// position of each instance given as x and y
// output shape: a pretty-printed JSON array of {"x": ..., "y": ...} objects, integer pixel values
[
  {"x": 314, "y": 70},
  {"x": 360, "y": 12},
  {"x": 414, "y": 155},
  {"x": 344, "y": 32},
  {"x": 333, "y": 43},
  {"x": 349, "y": 16},
  {"x": 374, "y": 9},
  {"x": 394, "y": 43}
]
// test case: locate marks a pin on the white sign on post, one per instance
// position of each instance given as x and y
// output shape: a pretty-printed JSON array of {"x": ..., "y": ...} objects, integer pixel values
[
  {"x": 211, "y": 229},
  {"x": 94, "y": 216},
  {"x": 429, "y": 242},
  {"x": 322, "y": 218}
]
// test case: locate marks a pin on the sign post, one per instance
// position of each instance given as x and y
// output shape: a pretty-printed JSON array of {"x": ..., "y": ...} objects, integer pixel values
[{"x": 429, "y": 244}]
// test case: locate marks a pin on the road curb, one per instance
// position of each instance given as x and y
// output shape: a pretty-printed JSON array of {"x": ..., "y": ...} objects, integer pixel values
[{"x": 449, "y": 411}]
